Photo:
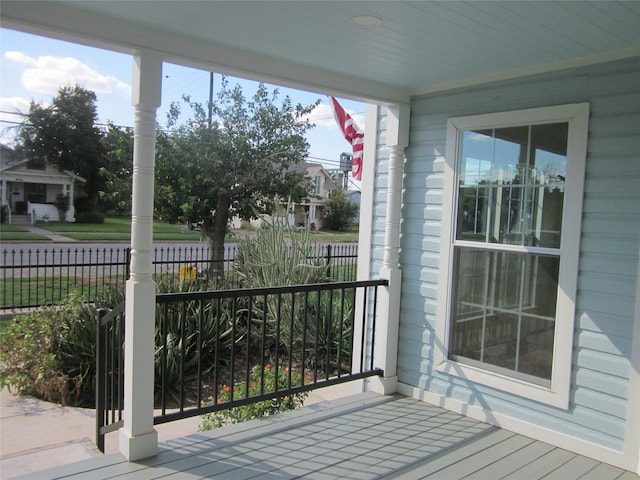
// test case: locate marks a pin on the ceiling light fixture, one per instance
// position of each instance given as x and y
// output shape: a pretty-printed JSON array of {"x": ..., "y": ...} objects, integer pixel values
[{"x": 366, "y": 21}]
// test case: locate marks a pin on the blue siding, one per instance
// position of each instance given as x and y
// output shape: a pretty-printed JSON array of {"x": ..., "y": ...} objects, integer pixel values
[{"x": 610, "y": 242}]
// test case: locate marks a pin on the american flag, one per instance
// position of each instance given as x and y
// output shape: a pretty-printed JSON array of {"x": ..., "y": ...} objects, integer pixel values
[{"x": 352, "y": 133}]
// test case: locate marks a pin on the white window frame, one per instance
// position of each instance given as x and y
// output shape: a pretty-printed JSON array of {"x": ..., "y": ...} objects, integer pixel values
[{"x": 577, "y": 116}]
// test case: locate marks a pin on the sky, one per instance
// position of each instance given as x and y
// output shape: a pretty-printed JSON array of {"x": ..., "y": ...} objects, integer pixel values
[{"x": 33, "y": 68}]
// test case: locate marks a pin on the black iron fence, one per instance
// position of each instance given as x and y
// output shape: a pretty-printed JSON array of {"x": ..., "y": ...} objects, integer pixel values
[
  {"x": 216, "y": 350},
  {"x": 36, "y": 277}
]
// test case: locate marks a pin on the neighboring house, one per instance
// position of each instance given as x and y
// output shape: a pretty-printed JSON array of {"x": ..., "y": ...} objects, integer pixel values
[
  {"x": 499, "y": 195},
  {"x": 310, "y": 210},
  {"x": 30, "y": 188}
]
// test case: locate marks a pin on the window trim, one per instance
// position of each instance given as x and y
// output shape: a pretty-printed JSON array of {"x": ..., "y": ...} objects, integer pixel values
[{"x": 577, "y": 116}]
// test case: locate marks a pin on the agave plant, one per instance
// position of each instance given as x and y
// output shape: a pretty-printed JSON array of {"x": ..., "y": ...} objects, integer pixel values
[
  {"x": 193, "y": 338},
  {"x": 325, "y": 336},
  {"x": 270, "y": 260}
]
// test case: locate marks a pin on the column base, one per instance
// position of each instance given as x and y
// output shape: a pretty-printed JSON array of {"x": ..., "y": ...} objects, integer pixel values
[
  {"x": 138, "y": 447},
  {"x": 383, "y": 385}
]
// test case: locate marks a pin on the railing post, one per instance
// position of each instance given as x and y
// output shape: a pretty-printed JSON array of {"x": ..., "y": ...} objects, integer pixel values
[{"x": 101, "y": 369}]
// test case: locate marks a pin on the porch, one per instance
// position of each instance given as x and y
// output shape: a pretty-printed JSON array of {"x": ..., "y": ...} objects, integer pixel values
[{"x": 363, "y": 436}]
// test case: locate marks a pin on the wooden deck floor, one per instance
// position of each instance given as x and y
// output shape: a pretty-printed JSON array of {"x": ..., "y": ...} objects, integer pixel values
[{"x": 362, "y": 437}]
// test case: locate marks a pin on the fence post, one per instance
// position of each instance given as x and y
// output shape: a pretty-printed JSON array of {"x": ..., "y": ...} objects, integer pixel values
[
  {"x": 127, "y": 268},
  {"x": 100, "y": 378},
  {"x": 328, "y": 260}
]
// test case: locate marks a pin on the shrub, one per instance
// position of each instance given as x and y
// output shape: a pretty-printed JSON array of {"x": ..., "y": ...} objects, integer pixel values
[
  {"x": 90, "y": 217},
  {"x": 50, "y": 353},
  {"x": 62, "y": 204},
  {"x": 339, "y": 211},
  {"x": 31, "y": 352},
  {"x": 261, "y": 381},
  {"x": 4, "y": 214}
]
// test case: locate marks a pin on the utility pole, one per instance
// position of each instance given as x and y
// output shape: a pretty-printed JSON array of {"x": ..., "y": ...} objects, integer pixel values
[{"x": 210, "y": 99}]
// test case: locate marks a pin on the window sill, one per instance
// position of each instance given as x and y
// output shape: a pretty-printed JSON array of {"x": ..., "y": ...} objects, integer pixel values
[{"x": 557, "y": 396}]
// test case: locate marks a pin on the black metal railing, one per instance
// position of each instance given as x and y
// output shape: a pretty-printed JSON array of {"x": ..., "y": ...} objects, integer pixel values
[
  {"x": 109, "y": 372},
  {"x": 38, "y": 277},
  {"x": 217, "y": 350}
]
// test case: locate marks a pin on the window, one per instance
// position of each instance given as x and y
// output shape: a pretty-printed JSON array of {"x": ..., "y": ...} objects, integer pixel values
[
  {"x": 510, "y": 248},
  {"x": 317, "y": 182},
  {"x": 35, "y": 192}
]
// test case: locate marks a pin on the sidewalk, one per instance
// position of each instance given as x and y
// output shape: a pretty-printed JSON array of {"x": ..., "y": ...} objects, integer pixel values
[
  {"x": 37, "y": 435},
  {"x": 55, "y": 237}
]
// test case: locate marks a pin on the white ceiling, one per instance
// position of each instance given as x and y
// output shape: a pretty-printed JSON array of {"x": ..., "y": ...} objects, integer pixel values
[{"x": 420, "y": 46}]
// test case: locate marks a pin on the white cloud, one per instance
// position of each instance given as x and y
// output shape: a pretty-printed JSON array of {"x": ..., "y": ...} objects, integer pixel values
[
  {"x": 14, "y": 104},
  {"x": 480, "y": 137},
  {"x": 322, "y": 116},
  {"x": 46, "y": 74}
]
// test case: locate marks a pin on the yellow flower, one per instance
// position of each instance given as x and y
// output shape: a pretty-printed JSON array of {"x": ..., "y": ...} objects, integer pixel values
[{"x": 188, "y": 273}]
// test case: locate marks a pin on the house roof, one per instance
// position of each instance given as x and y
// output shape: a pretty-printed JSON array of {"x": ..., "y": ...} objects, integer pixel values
[
  {"x": 8, "y": 157},
  {"x": 311, "y": 169},
  {"x": 13, "y": 167},
  {"x": 305, "y": 167},
  {"x": 420, "y": 46}
]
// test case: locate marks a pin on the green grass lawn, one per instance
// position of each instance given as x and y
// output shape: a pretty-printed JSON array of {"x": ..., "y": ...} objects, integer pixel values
[
  {"x": 113, "y": 229},
  {"x": 36, "y": 291},
  {"x": 14, "y": 233},
  {"x": 119, "y": 229}
]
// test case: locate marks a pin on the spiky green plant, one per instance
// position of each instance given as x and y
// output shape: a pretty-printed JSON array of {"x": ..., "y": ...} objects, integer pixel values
[
  {"x": 278, "y": 256},
  {"x": 325, "y": 336},
  {"x": 193, "y": 338}
]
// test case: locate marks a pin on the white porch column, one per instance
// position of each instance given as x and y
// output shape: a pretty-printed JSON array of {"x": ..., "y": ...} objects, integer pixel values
[
  {"x": 138, "y": 439},
  {"x": 386, "y": 347}
]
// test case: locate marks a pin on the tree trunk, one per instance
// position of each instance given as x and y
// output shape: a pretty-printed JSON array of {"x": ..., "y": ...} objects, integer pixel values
[{"x": 214, "y": 231}]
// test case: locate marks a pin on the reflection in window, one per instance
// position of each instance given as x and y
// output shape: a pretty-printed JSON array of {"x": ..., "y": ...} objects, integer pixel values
[
  {"x": 504, "y": 310},
  {"x": 511, "y": 185}
]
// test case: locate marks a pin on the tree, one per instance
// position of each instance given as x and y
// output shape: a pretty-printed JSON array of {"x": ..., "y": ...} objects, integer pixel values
[
  {"x": 117, "y": 169},
  {"x": 65, "y": 134},
  {"x": 238, "y": 165},
  {"x": 339, "y": 211},
  {"x": 170, "y": 176}
]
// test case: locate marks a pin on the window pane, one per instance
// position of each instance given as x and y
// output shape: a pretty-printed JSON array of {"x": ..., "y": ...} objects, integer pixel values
[
  {"x": 511, "y": 185},
  {"x": 504, "y": 309},
  {"x": 473, "y": 211},
  {"x": 510, "y": 154},
  {"x": 549, "y": 164},
  {"x": 477, "y": 157}
]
